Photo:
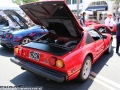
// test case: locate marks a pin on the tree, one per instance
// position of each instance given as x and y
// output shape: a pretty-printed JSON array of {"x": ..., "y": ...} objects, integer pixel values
[
  {"x": 19, "y": 2},
  {"x": 27, "y": 1},
  {"x": 78, "y": 1},
  {"x": 117, "y": 5}
]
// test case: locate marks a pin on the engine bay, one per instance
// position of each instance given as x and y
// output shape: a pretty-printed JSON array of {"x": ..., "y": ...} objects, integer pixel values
[{"x": 59, "y": 41}]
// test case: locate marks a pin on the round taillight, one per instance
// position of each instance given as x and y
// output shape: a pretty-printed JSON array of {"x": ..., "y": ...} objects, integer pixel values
[
  {"x": 6, "y": 35},
  {"x": 11, "y": 36},
  {"x": 16, "y": 50},
  {"x": 52, "y": 61},
  {"x": 59, "y": 64}
]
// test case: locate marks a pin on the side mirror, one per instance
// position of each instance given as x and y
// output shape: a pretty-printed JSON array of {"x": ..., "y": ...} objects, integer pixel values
[{"x": 104, "y": 36}]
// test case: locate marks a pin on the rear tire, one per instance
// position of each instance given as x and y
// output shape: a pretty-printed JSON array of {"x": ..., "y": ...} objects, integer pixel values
[
  {"x": 25, "y": 40},
  {"x": 3, "y": 45},
  {"x": 85, "y": 70},
  {"x": 108, "y": 51}
]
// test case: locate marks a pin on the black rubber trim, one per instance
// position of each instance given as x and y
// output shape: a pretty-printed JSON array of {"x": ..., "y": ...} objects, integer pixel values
[
  {"x": 40, "y": 70},
  {"x": 48, "y": 48}
]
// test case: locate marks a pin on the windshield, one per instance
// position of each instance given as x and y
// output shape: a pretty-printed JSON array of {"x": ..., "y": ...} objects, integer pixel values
[
  {"x": 19, "y": 22},
  {"x": 15, "y": 17}
]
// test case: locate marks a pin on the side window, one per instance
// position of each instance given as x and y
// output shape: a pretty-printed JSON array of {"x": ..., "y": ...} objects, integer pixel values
[
  {"x": 95, "y": 35},
  {"x": 89, "y": 39}
]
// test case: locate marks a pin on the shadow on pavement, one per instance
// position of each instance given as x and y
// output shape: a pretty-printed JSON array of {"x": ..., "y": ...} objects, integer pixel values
[
  {"x": 118, "y": 54},
  {"x": 101, "y": 62},
  {"x": 6, "y": 52},
  {"x": 30, "y": 79}
]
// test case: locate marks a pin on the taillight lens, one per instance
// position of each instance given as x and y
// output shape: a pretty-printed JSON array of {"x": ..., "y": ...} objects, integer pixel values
[
  {"x": 52, "y": 61},
  {"x": 7, "y": 35},
  {"x": 11, "y": 36},
  {"x": 59, "y": 63},
  {"x": 16, "y": 50},
  {"x": 56, "y": 62}
]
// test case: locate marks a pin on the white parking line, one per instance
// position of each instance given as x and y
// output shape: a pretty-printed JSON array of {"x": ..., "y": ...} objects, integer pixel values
[
  {"x": 107, "y": 82},
  {"x": 102, "y": 83}
]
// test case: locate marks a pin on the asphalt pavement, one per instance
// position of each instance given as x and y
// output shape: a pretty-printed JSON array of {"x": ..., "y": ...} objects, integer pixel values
[{"x": 105, "y": 74}]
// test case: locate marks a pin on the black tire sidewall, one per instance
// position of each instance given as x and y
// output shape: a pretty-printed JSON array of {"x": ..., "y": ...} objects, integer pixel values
[
  {"x": 80, "y": 77},
  {"x": 23, "y": 39},
  {"x": 107, "y": 51}
]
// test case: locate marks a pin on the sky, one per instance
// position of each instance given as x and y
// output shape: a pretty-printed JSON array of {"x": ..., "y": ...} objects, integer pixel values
[
  {"x": 7, "y": 3},
  {"x": 6, "y": 0}
]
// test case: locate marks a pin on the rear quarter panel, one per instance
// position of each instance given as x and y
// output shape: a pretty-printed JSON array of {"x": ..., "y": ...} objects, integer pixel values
[
  {"x": 33, "y": 32},
  {"x": 74, "y": 59}
]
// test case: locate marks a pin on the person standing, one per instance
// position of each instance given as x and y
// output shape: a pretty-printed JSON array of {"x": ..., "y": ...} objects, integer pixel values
[
  {"x": 82, "y": 19},
  {"x": 109, "y": 23},
  {"x": 117, "y": 37}
]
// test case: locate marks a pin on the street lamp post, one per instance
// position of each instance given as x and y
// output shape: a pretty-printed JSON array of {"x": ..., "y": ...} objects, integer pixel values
[{"x": 78, "y": 8}]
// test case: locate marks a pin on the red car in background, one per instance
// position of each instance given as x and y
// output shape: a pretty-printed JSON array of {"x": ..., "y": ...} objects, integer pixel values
[
  {"x": 67, "y": 51},
  {"x": 90, "y": 22},
  {"x": 98, "y": 26}
]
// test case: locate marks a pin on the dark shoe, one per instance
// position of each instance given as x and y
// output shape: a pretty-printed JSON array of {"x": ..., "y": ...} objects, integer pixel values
[{"x": 117, "y": 52}]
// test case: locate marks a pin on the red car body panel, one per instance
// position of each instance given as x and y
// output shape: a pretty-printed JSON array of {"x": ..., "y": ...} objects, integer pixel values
[
  {"x": 72, "y": 56},
  {"x": 97, "y": 26}
]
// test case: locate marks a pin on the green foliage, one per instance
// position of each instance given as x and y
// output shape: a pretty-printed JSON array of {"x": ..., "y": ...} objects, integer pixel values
[
  {"x": 23, "y": 1},
  {"x": 17, "y": 1},
  {"x": 117, "y": 1},
  {"x": 27, "y": 1}
]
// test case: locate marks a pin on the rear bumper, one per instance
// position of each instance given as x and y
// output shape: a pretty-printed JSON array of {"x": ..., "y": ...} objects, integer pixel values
[
  {"x": 40, "y": 70},
  {"x": 8, "y": 43}
]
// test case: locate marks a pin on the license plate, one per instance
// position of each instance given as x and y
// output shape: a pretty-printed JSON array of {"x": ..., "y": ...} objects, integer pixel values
[{"x": 34, "y": 55}]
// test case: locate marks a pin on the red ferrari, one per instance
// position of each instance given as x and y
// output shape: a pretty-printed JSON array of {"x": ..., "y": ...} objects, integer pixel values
[
  {"x": 90, "y": 22},
  {"x": 67, "y": 51},
  {"x": 97, "y": 26}
]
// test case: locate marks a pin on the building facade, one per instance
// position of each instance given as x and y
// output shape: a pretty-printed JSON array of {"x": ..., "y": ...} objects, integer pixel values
[
  {"x": 72, "y": 4},
  {"x": 84, "y": 4}
]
